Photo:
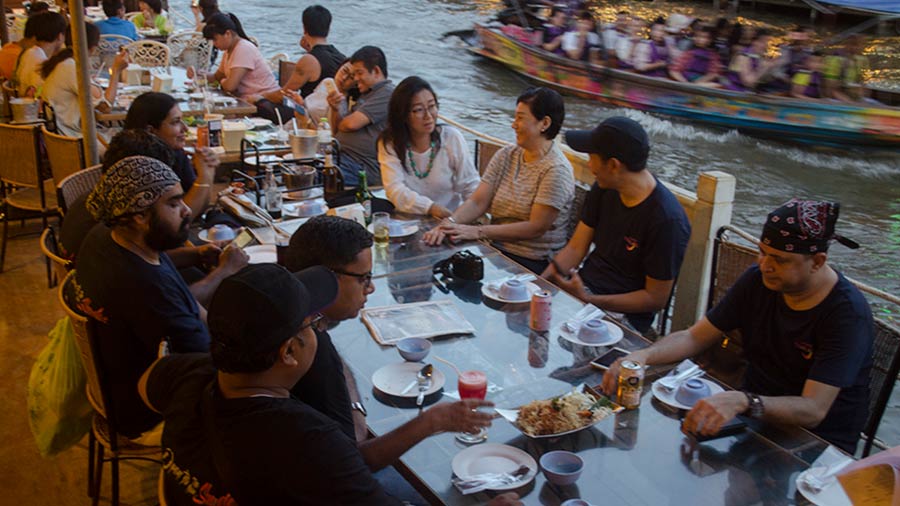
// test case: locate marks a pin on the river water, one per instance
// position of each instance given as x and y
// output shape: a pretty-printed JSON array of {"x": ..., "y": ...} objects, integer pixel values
[{"x": 482, "y": 95}]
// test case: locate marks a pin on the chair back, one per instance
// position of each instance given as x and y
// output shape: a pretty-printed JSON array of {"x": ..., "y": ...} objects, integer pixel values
[
  {"x": 76, "y": 185},
  {"x": 86, "y": 342},
  {"x": 148, "y": 53},
  {"x": 484, "y": 152},
  {"x": 66, "y": 154},
  {"x": 883, "y": 376},
  {"x": 107, "y": 49},
  {"x": 275, "y": 60},
  {"x": 189, "y": 49},
  {"x": 50, "y": 249},
  {"x": 9, "y": 92},
  {"x": 285, "y": 69},
  {"x": 20, "y": 155}
]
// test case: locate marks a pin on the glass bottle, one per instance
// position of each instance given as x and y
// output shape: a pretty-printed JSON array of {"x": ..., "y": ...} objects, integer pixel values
[
  {"x": 364, "y": 196},
  {"x": 273, "y": 194},
  {"x": 332, "y": 178}
]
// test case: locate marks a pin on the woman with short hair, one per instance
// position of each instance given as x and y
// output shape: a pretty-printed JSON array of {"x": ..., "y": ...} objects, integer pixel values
[
  {"x": 151, "y": 16},
  {"x": 527, "y": 188}
]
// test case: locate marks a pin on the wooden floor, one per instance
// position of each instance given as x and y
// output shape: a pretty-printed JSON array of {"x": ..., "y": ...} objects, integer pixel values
[{"x": 28, "y": 310}]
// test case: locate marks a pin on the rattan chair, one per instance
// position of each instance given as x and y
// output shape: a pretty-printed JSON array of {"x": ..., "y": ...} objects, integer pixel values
[
  {"x": 66, "y": 154},
  {"x": 103, "y": 436},
  {"x": 9, "y": 92},
  {"x": 148, "y": 53},
  {"x": 275, "y": 60},
  {"x": 107, "y": 49},
  {"x": 76, "y": 185},
  {"x": 190, "y": 49},
  {"x": 285, "y": 69},
  {"x": 885, "y": 367},
  {"x": 484, "y": 152},
  {"x": 50, "y": 249},
  {"x": 27, "y": 194}
]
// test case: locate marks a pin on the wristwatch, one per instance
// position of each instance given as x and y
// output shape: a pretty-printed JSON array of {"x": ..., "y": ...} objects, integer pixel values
[
  {"x": 755, "y": 407},
  {"x": 358, "y": 406}
]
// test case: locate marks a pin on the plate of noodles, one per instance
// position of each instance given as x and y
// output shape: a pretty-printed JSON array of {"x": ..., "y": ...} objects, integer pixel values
[{"x": 564, "y": 414}]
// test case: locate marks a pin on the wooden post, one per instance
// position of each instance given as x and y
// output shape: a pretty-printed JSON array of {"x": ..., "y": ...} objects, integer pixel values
[
  {"x": 4, "y": 31},
  {"x": 83, "y": 73},
  {"x": 712, "y": 209}
]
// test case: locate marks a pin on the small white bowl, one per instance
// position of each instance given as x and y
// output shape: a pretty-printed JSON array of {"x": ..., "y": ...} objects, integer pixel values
[
  {"x": 593, "y": 331},
  {"x": 513, "y": 289}
]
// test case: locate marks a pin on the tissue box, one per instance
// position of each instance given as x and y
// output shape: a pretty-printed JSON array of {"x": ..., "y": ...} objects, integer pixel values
[
  {"x": 353, "y": 212},
  {"x": 135, "y": 75},
  {"x": 162, "y": 83}
]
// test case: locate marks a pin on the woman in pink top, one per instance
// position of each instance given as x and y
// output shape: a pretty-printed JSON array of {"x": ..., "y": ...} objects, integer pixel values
[{"x": 243, "y": 71}]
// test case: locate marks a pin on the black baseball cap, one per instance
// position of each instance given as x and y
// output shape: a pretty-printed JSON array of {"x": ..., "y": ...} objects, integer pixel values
[
  {"x": 618, "y": 137},
  {"x": 263, "y": 305}
]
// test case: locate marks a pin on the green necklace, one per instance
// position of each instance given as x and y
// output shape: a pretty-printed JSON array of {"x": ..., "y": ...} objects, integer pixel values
[{"x": 412, "y": 163}]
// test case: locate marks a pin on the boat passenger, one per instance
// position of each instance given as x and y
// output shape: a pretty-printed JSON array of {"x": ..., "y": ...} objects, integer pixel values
[
  {"x": 425, "y": 167},
  {"x": 571, "y": 8},
  {"x": 357, "y": 127},
  {"x": 741, "y": 38},
  {"x": 321, "y": 60},
  {"x": 203, "y": 10},
  {"x": 792, "y": 56},
  {"x": 243, "y": 71},
  {"x": 627, "y": 45},
  {"x": 844, "y": 71},
  {"x": 749, "y": 67},
  {"x": 612, "y": 32},
  {"x": 808, "y": 82},
  {"x": 232, "y": 424},
  {"x": 632, "y": 234},
  {"x": 115, "y": 22},
  {"x": 577, "y": 44},
  {"x": 49, "y": 30},
  {"x": 554, "y": 31},
  {"x": 700, "y": 65},
  {"x": 60, "y": 88},
  {"x": 806, "y": 333},
  {"x": 722, "y": 40},
  {"x": 652, "y": 56},
  {"x": 152, "y": 17},
  {"x": 527, "y": 187}
]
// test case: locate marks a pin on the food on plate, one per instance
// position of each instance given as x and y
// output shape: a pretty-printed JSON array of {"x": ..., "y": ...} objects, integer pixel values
[{"x": 571, "y": 411}]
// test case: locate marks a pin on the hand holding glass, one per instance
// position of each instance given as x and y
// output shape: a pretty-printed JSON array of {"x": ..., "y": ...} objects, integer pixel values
[{"x": 472, "y": 385}]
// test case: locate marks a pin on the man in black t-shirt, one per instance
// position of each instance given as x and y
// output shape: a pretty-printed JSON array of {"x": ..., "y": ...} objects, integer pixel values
[
  {"x": 129, "y": 285},
  {"x": 807, "y": 334},
  {"x": 234, "y": 433},
  {"x": 638, "y": 228}
]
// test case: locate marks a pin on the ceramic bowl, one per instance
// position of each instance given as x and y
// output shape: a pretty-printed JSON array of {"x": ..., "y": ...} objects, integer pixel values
[
  {"x": 414, "y": 349},
  {"x": 561, "y": 467},
  {"x": 220, "y": 232},
  {"x": 513, "y": 289},
  {"x": 692, "y": 391},
  {"x": 593, "y": 331}
]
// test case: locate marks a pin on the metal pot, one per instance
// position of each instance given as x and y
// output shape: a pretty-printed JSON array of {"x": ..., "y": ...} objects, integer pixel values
[
  {"x": 304, "y": 145},
  {"x": 24, "y": 110}
]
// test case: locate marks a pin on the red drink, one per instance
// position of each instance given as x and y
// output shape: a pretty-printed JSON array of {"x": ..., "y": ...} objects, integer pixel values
[{"x": 472, "y": 385}]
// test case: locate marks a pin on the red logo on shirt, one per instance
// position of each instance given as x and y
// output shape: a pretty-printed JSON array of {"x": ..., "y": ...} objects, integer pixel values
[
  {"x": 631, "y": 243},
  {"x": 806, "y": 349}
]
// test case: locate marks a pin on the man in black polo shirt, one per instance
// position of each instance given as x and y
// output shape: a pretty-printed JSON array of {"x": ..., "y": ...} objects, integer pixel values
[
  {"x": 638, "y": 228},
  {"x": 806, "y": 331}
]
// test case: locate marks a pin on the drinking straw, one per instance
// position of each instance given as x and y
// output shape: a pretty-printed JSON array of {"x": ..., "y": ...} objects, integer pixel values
[
  {"x": 294, "y": 124},
  {"x": 458, "y": 372},
  {"x": 280, "y": 123}
]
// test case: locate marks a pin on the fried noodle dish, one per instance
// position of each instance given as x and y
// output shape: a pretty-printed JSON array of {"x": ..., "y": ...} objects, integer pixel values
[{"x": 571, "y": 411}]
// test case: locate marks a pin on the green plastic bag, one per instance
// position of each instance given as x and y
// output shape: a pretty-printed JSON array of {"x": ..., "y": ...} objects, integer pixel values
[{"x": 58, "y": 408}]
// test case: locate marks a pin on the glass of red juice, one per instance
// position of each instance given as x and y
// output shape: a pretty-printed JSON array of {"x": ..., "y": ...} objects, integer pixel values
[{"x": 472, "y": 385}]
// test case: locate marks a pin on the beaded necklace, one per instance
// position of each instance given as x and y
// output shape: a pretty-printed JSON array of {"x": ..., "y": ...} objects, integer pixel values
[{"x": 412, "y": 162}]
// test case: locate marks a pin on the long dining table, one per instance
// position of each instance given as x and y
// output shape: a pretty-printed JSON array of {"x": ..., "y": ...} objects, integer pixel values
[{"x": 636, "y": 457}]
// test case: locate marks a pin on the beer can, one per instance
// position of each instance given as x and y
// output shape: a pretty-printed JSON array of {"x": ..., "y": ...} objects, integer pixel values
[
  {"x": 631, "y": 383},
  {"x": 540, "y": 311}
]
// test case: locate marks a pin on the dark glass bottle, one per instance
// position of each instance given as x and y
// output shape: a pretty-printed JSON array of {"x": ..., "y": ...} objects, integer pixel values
[{"x": 364, "y": 196}]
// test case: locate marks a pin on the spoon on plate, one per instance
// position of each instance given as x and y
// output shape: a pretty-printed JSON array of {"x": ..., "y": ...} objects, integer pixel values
[{"x": 423, "y": 377}]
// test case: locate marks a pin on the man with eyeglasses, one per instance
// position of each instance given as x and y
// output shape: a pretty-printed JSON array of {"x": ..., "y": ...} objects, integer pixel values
[{"x": 344, "y": 247}]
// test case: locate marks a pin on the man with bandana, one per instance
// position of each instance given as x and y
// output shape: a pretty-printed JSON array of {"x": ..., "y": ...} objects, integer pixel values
[
  {"x": 129, "y": 285},
  {"x": 806, "y": 330}
]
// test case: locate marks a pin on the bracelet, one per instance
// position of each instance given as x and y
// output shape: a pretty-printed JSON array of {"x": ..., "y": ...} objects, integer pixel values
[
  {"x": 202, "y": 185},
  {"x": 481, "y": 235},
  {"x": 451, "y": 220}
]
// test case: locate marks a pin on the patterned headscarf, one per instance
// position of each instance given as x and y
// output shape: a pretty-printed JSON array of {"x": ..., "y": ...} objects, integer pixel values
[
  {"x": 130, "y": 186},
  {"x": 803, "y": 226}
]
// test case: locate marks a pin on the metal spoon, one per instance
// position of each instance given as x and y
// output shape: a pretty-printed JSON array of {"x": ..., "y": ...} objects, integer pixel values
[{"x": 423, "y": 377}]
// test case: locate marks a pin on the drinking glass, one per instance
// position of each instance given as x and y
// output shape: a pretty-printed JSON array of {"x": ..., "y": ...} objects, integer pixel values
[
  {"x": 472, "y": 385},
  {"x": 381, "y": 225}
]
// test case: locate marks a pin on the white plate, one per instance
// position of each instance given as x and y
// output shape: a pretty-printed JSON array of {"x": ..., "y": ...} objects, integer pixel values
[
  {"x": 195, "y": 96},
  {"x": 407, "y": 230},
  {"x": 311, "y": 193},
  {"x": 494, "y": 458},
  {"x": 490, "y": 290},
  {"x": 832, "y": 495},
  {"x": 203, "y": 235},
  {"x": 289, "y": 157},
  {"x": 668, "y": 398},
  {"x": 512, "y": 416},
  {"x": 298, "y": 210},
  {"x": 262, "y": 254},
  {"x": 263, "y": 159},
  {"x": 259, "y": 122},
  {"x": 224, "y": 100},
  {"x": 392, "y": 379},
  {"x": 615, "y": 335}
]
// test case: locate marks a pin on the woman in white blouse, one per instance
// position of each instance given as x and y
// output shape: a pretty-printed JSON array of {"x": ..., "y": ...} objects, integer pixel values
[{"x": 426, "y": 168}]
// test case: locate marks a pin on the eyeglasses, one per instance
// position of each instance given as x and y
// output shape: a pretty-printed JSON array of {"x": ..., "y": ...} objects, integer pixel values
[
  {"x": 314, "y": 323},
  {"x": 365, "y": 279},
  {"x": 420, "y": 111}
]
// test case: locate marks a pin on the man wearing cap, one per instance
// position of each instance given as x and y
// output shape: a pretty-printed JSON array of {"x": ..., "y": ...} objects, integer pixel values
[
  {"x": 806, "y": 332},
  {"x": 638, "y": 228},
  {"x": 234, "y": 434},
  {"x": 129, "y": 285}
]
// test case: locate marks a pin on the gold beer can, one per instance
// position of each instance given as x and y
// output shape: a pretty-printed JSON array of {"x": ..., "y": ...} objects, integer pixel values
[{"x": 631, "y": 383}]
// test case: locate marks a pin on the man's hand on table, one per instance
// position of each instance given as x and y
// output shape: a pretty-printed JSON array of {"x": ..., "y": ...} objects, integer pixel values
[
  {"x": 507, "y": 499},
  {"x": 233, "y": 259},
  {"x": 709, "y": 414},
  {"x": 574, "y": 286},
  {"x": 611, "y": 377},
  {"x": 458, "y": 416}
]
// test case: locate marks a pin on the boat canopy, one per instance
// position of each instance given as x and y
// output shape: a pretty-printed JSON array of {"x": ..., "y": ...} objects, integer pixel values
[{"x": 875, "y": 6}]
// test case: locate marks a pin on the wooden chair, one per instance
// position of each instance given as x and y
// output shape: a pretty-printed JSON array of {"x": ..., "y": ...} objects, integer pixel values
[
  {"x": 148, "y": 53},
  {"x": 285, "y": 69},
  {"x": 76, "y": 185},
  {"x": 484, "y": 152},
  {"x": 66, "y": 154},
  {"x": 50, "y": 249},
  {"x": 190, "y": 49},
  {"x": 103, "y": 436},
  {"x": 27, "y": 193},
  {"x": 107, "y": 49},
  {"x": 9, "y": 91}
]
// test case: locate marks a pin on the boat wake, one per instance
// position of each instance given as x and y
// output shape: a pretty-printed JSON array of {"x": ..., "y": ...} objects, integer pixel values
[{"x": 656, "y": 126}]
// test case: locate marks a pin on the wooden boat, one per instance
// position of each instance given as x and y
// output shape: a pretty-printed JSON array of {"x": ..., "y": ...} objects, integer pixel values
[{"x": 815, "y": 122}]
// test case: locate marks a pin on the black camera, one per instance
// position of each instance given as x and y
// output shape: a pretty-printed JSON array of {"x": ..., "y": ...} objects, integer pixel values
[{"x": 462, "y": 265}]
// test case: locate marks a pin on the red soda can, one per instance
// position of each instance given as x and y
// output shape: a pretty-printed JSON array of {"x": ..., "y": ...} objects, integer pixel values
[{"x": 540, "y": 311}]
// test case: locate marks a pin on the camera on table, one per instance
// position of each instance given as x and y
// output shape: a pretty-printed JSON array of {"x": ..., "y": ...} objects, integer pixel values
[{"x": 463, "y": 265}]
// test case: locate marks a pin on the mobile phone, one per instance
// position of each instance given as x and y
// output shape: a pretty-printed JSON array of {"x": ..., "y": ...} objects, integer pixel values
[
  {"x": 244, "y": 239},
  {"x": 195, "y": 3},
  {"x": 295, "y": 106},
  {"x": 330, "y": 86},
  {"x": 603, "y": 362},
  {"x": 729, "y": 428}
]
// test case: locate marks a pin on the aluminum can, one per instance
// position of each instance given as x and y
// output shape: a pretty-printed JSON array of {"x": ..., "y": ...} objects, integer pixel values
[
  {"x": 540, "y": 311},
  {"x": 631, "y": 383},
  {"x": 538, "y": 349}
]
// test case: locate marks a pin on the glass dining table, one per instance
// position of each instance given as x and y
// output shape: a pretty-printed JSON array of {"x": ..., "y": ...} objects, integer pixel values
[{"x": 636, "y": 457}]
